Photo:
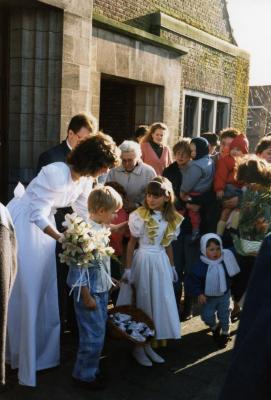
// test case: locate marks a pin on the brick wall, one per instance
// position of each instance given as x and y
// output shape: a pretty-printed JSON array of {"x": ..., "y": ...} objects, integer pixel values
[
  {"x": 211, "y": 71},
  {"x": 204, "y": 68},
  {"x": 207, "y": 15}
]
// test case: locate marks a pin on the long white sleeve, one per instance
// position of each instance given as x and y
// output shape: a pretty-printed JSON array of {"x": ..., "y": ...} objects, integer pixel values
[{"x": 46, "y": 189}]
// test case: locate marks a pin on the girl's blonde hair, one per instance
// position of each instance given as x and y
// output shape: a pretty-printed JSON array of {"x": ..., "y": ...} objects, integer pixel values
[
  {"x": 104, "y": 197},
  {"x": 148, "y": 136},
  {"x": 161, "y": 186}
]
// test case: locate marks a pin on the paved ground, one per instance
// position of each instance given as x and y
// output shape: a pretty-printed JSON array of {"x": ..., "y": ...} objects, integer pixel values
[{"x": 194, "y": 370}]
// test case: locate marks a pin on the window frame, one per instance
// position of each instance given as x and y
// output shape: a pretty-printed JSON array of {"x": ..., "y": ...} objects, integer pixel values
[{"x": 198, "y": 110}]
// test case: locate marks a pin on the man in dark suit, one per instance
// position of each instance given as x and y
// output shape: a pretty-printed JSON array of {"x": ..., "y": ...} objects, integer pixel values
[{"x": 80, "y": 127}]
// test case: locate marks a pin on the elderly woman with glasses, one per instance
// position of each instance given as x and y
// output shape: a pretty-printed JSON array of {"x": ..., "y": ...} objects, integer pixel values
[{"x": 133, "y": 174}]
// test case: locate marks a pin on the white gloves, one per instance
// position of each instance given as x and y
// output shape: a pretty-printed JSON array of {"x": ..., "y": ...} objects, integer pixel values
[
  {"x": 126, "y": 277},
  {"x": 175, "y": 276}
]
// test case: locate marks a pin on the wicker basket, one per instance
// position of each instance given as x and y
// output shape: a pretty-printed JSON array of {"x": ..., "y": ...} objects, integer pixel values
[{"x": 137, "y": 315}]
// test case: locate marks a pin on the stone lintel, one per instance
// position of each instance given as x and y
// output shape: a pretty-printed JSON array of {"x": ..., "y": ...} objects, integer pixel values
[
  {"x": 81, "y": 8},
  {"x": 101, "y": 21},
  {"x": 164, "y": 21}
]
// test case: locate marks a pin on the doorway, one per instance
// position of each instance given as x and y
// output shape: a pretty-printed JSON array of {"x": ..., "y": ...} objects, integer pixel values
[
  {"x": 117, "y": 109},
  {"x": 125, "y": 104}
]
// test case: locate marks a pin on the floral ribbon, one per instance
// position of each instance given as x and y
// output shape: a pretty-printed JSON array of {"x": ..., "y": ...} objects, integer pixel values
[{"x": 81, "y": 278}]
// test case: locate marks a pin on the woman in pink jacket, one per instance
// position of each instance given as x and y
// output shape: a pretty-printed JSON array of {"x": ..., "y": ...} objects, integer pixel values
[{"x": 154, "y": 151}]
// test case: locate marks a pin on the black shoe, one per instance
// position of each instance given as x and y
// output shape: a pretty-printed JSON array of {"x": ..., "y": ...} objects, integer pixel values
[
  {"x": 97, "y": 384},
  {"x": 223, "y": 341},
  {"x": 216, "y": 333}
]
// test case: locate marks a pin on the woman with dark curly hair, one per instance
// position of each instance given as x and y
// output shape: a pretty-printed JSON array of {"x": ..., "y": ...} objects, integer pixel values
[{"x": 33, "y": 324}]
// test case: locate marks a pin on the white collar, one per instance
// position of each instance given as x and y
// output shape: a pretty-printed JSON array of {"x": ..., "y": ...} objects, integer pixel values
[
  {"x": 96, "y": 224},
  {"x": 137, "y": 170},
  {"x": 68, "y": 144}
]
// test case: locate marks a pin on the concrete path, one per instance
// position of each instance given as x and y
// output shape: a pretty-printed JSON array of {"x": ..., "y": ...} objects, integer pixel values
[{"x": 194, "y": 370}]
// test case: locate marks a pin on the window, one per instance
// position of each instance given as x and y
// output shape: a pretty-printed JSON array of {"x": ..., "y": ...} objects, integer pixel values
[
  {"x": 207, "y": 107},
  {"x": 190, "y": 115},
  {"x": 204, "y": 113},
  {"x": 222, "y": 113}
]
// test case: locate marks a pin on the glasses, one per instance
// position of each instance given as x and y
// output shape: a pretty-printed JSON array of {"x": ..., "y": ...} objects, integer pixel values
[{"x": 128, "y": 161}]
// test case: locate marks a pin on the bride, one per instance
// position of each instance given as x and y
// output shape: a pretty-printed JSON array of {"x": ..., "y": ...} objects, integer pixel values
[{"x": 33, "y": 320}]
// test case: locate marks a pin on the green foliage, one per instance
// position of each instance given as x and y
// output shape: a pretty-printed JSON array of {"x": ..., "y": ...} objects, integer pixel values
[{"x": 255, "y": 217}]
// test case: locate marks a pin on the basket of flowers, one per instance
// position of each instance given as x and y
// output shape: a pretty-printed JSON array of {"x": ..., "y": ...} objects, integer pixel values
[{"x": 130, "y": 323}]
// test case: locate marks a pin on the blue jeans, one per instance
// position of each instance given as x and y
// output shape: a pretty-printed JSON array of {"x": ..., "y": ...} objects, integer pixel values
[
  {"x": 91, "y": 325},
  {"x": 220, "y": 306}
]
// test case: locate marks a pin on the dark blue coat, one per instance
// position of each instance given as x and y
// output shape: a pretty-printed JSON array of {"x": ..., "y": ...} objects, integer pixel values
[
  {"x": 195, "y": 281},
  {"x": 249, "y": 375}
]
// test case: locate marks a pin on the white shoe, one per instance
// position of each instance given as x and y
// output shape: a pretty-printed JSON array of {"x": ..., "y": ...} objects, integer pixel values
[
  {"x": 153, "y": 356},
  {"x": 140, "y": 356}
]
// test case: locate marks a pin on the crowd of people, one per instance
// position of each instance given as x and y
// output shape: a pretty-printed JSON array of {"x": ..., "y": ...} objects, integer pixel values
[{"x": 186, "y": 229}]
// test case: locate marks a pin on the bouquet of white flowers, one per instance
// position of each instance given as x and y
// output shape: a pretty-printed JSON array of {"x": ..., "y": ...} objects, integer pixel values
[{"x": 81, "y": 244}]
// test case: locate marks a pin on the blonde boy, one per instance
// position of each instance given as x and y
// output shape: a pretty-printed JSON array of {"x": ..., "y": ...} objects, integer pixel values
[{"x": 91, "y": 308}]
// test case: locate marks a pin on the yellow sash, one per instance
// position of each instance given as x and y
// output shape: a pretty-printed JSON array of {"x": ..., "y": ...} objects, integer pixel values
[{"x": 153, "y": 226}]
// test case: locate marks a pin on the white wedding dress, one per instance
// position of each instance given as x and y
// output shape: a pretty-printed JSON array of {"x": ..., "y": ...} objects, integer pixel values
[
  {"x": 33, "y": 320},
  {"x": 151, "y": 274}
]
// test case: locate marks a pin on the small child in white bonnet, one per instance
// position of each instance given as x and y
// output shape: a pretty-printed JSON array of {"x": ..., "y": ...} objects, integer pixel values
[{"x": 209, "y": 281}]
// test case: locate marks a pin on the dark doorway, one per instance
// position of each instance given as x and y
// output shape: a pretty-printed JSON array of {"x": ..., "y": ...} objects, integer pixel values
[
  {"x": 3, "y": 103},
  {"x": 117, "y": 109},
  {"x": 125, "y": 104}
]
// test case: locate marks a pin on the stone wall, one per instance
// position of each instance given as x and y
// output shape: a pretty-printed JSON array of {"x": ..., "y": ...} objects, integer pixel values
[
  {"x": 215, "y": 72},
  {"x": 76, "y": 61},
  {"x": 213, "y": 65},
  {"x": 34, "y": 80},
  {"x": 208, "y": 15},
  {"x": 143, "y": 64},
  {"x": 48, "y": 78},
  {"x": 76, "y": 67}
]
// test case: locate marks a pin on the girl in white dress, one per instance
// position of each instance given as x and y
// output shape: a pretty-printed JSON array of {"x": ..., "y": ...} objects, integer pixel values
[
  {"x": 33, "y": 321},
  {"x": 150, "y": 268}
]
